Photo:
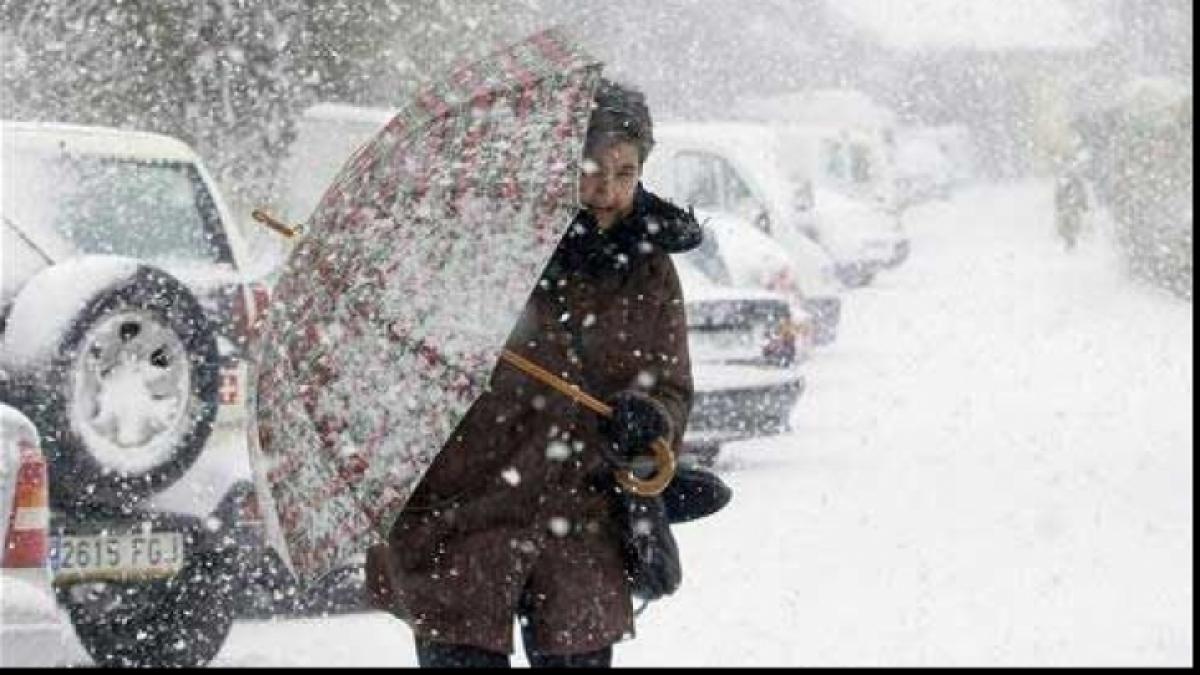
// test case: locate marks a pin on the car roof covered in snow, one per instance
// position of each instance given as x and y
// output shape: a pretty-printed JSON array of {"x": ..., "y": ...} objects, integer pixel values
[
  {"x": 752, "y": 147},
  {"x": 101, "y": 141},
  {"x": 738, "y": 138}
]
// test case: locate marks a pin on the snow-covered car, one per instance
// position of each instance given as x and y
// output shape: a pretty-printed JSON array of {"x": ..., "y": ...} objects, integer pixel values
[
  {"x": 743, "y": 361},
  {"x": 854, "y": 195},
  {"x": 839, "y": 137},
  {"x": 126, "y": 325},
  {"x": 735, "y": 252},
  {"x": 737, "y": 168},
  {"x": 31, "y": 630},
  {"x": 924, "y": 169},
  {"x": 863, "y": 237}
]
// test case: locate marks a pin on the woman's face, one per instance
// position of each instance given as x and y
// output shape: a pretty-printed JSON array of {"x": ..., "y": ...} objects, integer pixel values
[{"x": 609, "y": 183}]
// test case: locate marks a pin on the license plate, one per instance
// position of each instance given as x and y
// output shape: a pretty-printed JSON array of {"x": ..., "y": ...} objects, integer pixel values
[{"x": 116, "y": 556}]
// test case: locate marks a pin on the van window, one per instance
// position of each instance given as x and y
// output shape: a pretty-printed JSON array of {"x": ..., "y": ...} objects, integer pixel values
[
  {"x": 707, "y": 258},
  {"x": 735, "y": 188},
  {"x": 698, "y": 177},
  {"x": 860, "y": 163},
  {"x": 834, "y": 161}
]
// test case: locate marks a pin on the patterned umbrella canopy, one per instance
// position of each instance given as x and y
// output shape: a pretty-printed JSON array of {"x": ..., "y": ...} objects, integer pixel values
[{"x": 391, "y": 312}]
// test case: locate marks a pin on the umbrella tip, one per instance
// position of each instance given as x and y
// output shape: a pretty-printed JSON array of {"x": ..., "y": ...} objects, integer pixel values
[{"x": 266, "y": 219}]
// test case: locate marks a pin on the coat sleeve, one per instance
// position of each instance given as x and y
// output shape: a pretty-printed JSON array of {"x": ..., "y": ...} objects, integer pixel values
[{"x": 672, "y": 381}]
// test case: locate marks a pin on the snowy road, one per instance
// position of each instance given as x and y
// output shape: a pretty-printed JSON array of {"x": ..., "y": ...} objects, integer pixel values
[{"x": 992, "y": 466}]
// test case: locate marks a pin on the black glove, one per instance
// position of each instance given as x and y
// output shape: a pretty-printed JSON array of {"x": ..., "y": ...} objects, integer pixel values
[{"x": 636, "y": 422}]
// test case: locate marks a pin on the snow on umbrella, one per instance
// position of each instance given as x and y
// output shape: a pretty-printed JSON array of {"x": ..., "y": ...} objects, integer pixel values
[{"x": 391, "y": 312}]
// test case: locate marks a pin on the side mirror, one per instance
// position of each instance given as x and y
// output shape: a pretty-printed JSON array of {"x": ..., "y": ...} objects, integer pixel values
[{"x": 763, "y": 222}]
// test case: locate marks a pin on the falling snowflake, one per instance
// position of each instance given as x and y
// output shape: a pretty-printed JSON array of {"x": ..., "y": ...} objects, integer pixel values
[
  {"x": 645, "y": 379},
  {"x": 559, "y": 526},
  {"x": 557, "y": 451}
]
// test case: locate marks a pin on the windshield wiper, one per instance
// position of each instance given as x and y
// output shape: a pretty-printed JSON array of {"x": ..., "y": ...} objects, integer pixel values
[{"x": 13, "y": 226}]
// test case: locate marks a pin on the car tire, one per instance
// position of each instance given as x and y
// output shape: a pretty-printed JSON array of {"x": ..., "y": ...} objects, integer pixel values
[
  {"x": 154, "y": 332},
  {"x": 178, "y": 622}
]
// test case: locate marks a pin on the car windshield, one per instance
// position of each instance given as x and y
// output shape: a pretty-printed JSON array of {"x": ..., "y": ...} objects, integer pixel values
[
  {"x": 706, "y": 258},
  {"x": 155, "y": 210}
]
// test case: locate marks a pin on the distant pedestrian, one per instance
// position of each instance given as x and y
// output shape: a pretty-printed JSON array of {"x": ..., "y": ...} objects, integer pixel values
[{"x": 1070, "y": 205}]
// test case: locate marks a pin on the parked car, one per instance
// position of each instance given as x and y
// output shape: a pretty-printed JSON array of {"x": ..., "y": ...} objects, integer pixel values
[
  {"x": 31, "y": 630},
  {"x": 743, "y": 361},
  {"x": 125, "y": 325},
  {"x": 931, "y": 162},
  {"x": 735, "y": 168},
  {"x": 854, "y": 192},
  {"x": 855, "y": 137},
  {"x": 735, "y": 252}
]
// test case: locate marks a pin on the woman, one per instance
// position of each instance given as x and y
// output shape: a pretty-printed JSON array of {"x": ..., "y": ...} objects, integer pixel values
[{"x": 514, "y": 517}]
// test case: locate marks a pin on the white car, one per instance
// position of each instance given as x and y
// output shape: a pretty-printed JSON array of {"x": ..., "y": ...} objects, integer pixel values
[
  {"x": 735, "y": 252},
  {"x": 861, "y": 236},
  {"x": 126, "y": 327},
  {"x": 31, "y": 630},
  {"x": 854, "y": 195},
  {"x": 744, "y": 370},
  {"x": 739, "y": 169},
  {"x": 923, "y": 171}
]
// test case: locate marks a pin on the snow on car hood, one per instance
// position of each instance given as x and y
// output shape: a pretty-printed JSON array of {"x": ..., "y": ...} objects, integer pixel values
[
  {"x": 754, "y": 258},
  {"x": 698, "y": 288},
  {"x": 50, "y": 301},
  {"x": 850, "y": 226}
]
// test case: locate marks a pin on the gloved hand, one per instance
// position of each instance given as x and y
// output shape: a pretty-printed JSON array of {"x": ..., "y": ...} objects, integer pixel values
[{"x": 637, "y": 421}]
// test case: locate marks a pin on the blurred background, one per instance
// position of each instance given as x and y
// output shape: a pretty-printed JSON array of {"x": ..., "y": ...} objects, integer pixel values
[{"x": 232, "y": 78}]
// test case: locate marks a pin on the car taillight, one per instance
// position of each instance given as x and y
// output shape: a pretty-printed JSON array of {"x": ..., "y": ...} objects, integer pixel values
[
  {"x": 781, "y": 281},
  {"x": 249, "y": 512},
  {"x": 261, "y": 296},
  {"x": 27, "y": 543},
  {"x": 780, "y": 346},
  {"x": 249, "y": 319}
]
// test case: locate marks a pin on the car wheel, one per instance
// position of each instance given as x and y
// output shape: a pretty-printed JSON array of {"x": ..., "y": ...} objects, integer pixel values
[
  {"x": 127, "y": 398},
  {"x": 178, "y": 622}
]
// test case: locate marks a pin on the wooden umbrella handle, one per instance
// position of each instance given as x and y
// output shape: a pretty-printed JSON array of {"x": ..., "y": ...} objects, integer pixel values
[
  {"x": 266, "y": 219},
  {"x": 664, "y": 459}
]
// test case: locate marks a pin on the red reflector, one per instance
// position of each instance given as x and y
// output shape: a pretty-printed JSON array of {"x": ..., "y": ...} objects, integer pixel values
[
  {"x": 27, "y": 544},
  {"x": 250, "y": 512}
]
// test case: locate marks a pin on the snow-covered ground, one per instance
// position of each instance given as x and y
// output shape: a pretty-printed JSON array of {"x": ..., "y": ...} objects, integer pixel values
[{"x": 991, "y": 466}]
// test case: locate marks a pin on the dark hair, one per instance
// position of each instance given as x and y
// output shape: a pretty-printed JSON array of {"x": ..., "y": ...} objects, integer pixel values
[{"x": 620, "y": 114}]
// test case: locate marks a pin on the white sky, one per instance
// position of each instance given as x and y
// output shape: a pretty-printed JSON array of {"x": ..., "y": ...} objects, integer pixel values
[{"x": 980, "y": 24}]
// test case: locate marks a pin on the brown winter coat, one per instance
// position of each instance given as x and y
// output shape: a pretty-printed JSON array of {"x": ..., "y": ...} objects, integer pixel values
[{"x": 512, "y": 502}]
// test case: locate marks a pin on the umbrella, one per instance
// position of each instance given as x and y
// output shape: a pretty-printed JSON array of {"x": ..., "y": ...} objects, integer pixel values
[{"x": 392, "y": 310}]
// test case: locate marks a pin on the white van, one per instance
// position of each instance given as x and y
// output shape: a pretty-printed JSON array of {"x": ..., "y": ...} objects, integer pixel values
[{"x": 742, "y": 169}]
